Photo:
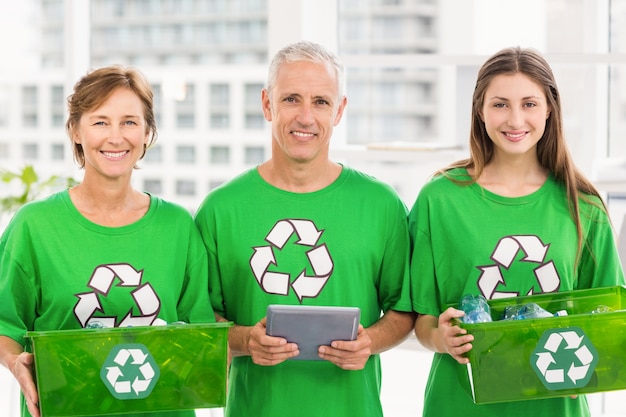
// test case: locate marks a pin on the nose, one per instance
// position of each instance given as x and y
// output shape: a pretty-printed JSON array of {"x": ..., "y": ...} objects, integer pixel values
[
  {"x": 305, "y": 115},
  {"x": 116, "y": 136},
  {"x": 516, "y": 118}
]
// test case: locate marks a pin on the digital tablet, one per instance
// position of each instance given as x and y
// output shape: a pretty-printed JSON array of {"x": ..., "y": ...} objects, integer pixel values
[{"x": 312, "y": 326}]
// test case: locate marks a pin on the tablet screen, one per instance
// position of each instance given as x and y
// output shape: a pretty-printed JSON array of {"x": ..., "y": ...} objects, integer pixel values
[{"x": 312, "y": 326}]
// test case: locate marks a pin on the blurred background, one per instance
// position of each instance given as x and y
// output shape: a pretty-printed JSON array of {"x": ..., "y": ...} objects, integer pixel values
[{"x": 411, "y": 67}]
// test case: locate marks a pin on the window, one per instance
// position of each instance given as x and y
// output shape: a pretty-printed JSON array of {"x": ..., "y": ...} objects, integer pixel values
[
  {"x": 185, "y": 154},
  {"x": 29, "y": 106},
  {"x": 185, "y": 187},
  {"x": 219, "y": 120},
  {"x": 154, "y": 154},
  {"x": 219, "y": 155},
  {"x": 5, "y": 105},
  {"x": 219, "y": 96},
  {"x": 185, "y": 109},
  {"x": 254, "y": 121},
  {"x": 153, "y": 186},
  {"x": 57, "y": 106},
  {"x": 157, "y": 100},
  {"x": 254, "y": 154},
  {"x": 30, "y": 151},
  {"x": 57, "y": 152},
  {"x": 253, "y": 118}
]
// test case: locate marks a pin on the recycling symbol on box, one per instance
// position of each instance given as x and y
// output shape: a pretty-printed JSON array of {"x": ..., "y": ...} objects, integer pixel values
[
  {"x": 279, "y": 282},
  {"x": 130, "y": 371},
  {"x": 564, "y": 358}
]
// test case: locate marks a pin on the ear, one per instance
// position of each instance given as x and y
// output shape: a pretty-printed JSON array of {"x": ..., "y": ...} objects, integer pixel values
[
  {"x": 75, "y": 136},
  {"x": 340, "y": 109},
  {"x": 267, "y": 105}
]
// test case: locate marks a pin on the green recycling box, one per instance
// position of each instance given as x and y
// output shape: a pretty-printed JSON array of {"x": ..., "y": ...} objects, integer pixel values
[
  {"x": 131, "y": 369},
  {"x": 582, "y": 352}
]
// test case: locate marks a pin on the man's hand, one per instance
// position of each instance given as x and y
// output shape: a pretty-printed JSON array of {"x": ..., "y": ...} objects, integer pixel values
[
  {"x": 268, "y": 350},
  {"x": 349, "y": 355}
]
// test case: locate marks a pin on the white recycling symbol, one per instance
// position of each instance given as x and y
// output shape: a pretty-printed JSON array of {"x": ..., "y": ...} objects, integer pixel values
[
  {"x": 101, "y": 282},
  {"x": 564, "y": 358},
  {"x": 280, "y": 282},
  {"x": 505, "y": 253},
  {"x": 130, "y": 372}
]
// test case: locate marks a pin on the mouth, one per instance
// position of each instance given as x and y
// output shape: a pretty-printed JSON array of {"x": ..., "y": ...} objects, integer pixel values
[
  {"x": 515, "y": 136},
  {"x": 303, "y": 135},
  {"x": 114, "y": 155}
]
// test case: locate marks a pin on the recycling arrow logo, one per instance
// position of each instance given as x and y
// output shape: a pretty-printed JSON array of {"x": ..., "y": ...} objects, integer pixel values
[
  {"x": 564, "y": 358},
  {"x": 129, "y": 371},
  {"x": 505, "y": 253},
  {"x": 101, "y": 281},
  {"x": 277, "y": 282}
]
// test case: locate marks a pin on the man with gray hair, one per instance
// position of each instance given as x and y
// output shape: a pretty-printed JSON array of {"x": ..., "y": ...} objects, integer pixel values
[{"x": 302, "y": 229}]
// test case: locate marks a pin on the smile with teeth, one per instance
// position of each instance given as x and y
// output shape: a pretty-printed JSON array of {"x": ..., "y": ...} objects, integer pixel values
[
  {"x": 515, "y": 136},
  {"x": 114, "y": 154},
  {"x": 303, "y": 134}
]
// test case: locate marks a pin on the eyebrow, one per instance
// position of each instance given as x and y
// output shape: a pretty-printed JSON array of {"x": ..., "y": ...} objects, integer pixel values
[
  {"x": 102, "y": 116},
  {"x": 523, "y": 98}
]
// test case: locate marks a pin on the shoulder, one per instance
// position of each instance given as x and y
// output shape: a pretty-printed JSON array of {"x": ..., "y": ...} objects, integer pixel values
[
  {"x": 358, "y": 178},
  {"x": 592, "y": 206},
  {"x": 45, "y": 205},
  {"x": 34, "y": 214},
  {"x": 231, "y": 191},
  {"x": 443, "y": 183},
  {"x": 233, "y": 185},
  {"x": 169, "y": 208}
]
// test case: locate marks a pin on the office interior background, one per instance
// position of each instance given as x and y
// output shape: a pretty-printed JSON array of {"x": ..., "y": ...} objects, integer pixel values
[{"x": 411, "y": 67}]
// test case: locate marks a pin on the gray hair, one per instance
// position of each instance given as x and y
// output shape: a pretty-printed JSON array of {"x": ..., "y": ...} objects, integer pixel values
[{"x": 305, "y": 51}]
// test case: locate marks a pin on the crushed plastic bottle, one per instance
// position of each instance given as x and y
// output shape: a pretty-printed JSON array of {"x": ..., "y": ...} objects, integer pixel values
[
  {"x": 95, "y": 324},
  {"x": 527, "y": 311},
  {"x": 476, "y": 309},
  {"x": 601, "y": 309}
]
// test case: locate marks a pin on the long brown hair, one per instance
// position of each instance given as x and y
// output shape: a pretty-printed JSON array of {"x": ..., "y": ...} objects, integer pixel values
[{"x": 552, "y": 151}]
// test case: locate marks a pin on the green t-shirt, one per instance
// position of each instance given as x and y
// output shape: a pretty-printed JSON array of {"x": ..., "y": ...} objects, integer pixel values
[
  {"x": 344, "y": 245},
  {"x": 467, "y": 240},
  {"x": 54, "y": 263}
]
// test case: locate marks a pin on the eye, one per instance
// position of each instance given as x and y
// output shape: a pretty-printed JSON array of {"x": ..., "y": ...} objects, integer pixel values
[
  {"x": 290, "y": 99},
  {"x": 100, "y": 123},
  {"x": 499, "y": 105},
  {"x": 130, "y": 122},
  {"x": 322, "y": 102},
  {"x": 530, "y": 104}
]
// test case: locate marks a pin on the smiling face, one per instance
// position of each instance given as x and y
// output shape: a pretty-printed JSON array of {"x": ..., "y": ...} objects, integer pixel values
[
  {"x": 113, "y": 135},
  {"x": 303, "y": 107},
  {"x": 514, "y": 111}
]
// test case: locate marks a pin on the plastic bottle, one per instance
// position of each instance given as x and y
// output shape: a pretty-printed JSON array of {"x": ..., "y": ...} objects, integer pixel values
[
  {"x": 528, "y": 311},
  {"x": 533, "y": 311},
  {"x": 601, "y": 309},
  {"x": 476, "y": 309}
]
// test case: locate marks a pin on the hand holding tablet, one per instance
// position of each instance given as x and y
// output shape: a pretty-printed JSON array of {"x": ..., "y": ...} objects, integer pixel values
[{"x": 312, "y": 326}]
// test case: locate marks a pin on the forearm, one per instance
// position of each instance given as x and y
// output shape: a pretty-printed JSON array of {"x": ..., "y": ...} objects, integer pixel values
[
  {"x": 426, "y": 333},
  {"x": 238, "y": 340},
  {"x": 390, "y": 330}
]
